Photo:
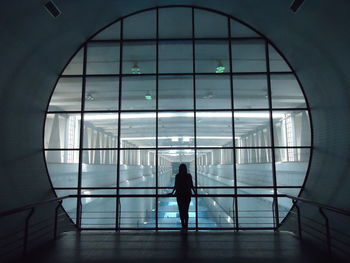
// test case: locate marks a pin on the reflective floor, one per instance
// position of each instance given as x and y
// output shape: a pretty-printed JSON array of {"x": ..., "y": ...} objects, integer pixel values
[{"x": 177, "y": 247}]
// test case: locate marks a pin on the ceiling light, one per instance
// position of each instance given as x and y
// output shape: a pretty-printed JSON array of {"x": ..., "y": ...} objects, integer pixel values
[
  {"x": 220, "y": 68},
  {"x": 89, "y": 97},
  {"x": 148, "y": 96},
  {"x": 135, "y": 69}
]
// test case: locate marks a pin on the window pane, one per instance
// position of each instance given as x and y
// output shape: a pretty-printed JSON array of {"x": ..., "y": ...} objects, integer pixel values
[
  {"x": 175, "y": 129},
  {"x": 139, "y": 57},
  {"x": 215, "y": 212},
  {"x": 110, "y": 33},
  {"x": 140, "y": 26},
  {"x": 284, "y": 206},
  {"x": 291, "y": 128},
  {"x": 277, "y": 62},
  {"x": 98, "y": 212},
  {"x": 212, "y": 56},
  {"x": 250, "y": 92},
  {"x": 240, "y": 30},
  {"x": 254, "y": 167},
  {"x": 99, "y": 168},
  {"x": 255, "y": 212},
  {"x": 248, "y": 56},
  {"x": 103, "y": 58},
  {"x": 102, "y": 93},
  {"x": 169, "y": 162},
  {"x": 286, "y": 92},
  {"x": 62, "y": 131},
  {"x": 213, "y": 92},
  {"x": 139, "y": 93},
  {"x": 63, "y": 167},
  {"x": 210, "y": 24},
  {"x": 137, "y": 212},
  {"x": 175, "y": 22},
  {"x": 137, "y": 169},
  {"x": 215, "y": 168},
  {"x": 69, "y": 204},
  {"x": 252, "y": 128},
  {"x": 175, "y": 57},
  {"x": 67, "y": 95},
  {"x": 75, "y": 66},
  {"x": 175, "y": 92},
  {"x": 138, "y": 130},
  {"x": 100, "y": 130},
  {"x": 214, "y": 129},
  {"x": 291, "y": 166}
]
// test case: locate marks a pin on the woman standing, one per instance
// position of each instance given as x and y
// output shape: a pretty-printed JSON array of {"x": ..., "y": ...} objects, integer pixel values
[{"x": 182, "y": 190}]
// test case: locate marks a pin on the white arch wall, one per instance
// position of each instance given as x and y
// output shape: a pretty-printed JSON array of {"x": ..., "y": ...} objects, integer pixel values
[{"x": 35, "y": 47}]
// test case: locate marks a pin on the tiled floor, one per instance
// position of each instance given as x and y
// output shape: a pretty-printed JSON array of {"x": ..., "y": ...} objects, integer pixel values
[{"x": 176, "y": 247}]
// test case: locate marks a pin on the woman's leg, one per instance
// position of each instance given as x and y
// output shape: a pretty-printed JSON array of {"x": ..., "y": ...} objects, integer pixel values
[
  {"x": 186, "y": 207},
  {"x": 182, "y": 209}
]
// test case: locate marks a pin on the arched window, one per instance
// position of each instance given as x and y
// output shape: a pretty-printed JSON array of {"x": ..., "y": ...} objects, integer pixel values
[{"x": 173, "y": 85}]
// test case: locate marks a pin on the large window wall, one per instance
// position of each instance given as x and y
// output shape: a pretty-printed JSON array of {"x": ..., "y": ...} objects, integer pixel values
[{"x": 175, "y": 85}]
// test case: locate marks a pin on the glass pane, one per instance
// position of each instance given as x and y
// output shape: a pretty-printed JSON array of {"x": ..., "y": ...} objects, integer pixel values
[
  {"x": 252, "y": 128},
  {"x": 286, "y": 92},
  {"x": 175, "y": 22},
  {"x": 175, "y": 92},
  {"x": 140, "y": 26},
  {"x": 62, "y": 130},
  {"x": 277, "y": 62},
  {"x": 67, "y": 95},
  {"x": 215, "y": 212},
  {"x": 137, "y": 169},
  {"x": 214, "y": 129},
  {"x": 99, "y": 168},
  {"x": 69, "y": 204},
  {"x": 215, "y": 168},
  {"x": 98, "y": 212},
  {"x": 210, "y": 24},
  {"x": 75, "y": 66},
  {"x": 100, "y": 130},
  {"x": 168, "y": 213},
  {"x": 212, "y": 56},
  {"x": 175, "y": 129},
  {"x": 254, "y": 167},
  {"x": 248, "y": 56},
  {"x": 139, "y": 57},
  {"x": 213, "y": 92},
  {"x": 291, "y": 166},
  {"x": 137, "y": 212},
  {"x": 103, "y": 58},
  {"x": 175, "y": 57},
  {"x": 102, "y": 93},
  {"x": 284, "y": 206},
  {"x": 255, "y": 212},
  {"x": 139, "y": 93},
  {"x": 240, "y": 30},
  {"x": 169, "y": 162},
  {"x": 110, "y": 33},
  {"x": 63, "y": 167},
  {"x": 250, "y": 91},
  {"x": 138, "y": 130},
  {"x": 291, "y": 128}
]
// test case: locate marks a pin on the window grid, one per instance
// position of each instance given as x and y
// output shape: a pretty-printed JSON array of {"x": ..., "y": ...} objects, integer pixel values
[{"x": 195, "y": 147}]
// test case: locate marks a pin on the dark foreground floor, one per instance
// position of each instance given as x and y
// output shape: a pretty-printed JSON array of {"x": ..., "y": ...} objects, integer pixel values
[{"x": 176, "y": 247}]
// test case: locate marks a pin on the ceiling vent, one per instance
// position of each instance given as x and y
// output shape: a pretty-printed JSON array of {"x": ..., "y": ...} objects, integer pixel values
[{"x": 52, "y": 9}]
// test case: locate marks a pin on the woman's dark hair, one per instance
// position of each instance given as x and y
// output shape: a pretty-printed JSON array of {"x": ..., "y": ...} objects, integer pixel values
[{"x": 182, "y": 169}]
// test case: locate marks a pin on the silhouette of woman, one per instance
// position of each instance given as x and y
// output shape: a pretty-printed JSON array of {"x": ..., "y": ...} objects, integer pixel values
[{"x": 182, "y": 189}]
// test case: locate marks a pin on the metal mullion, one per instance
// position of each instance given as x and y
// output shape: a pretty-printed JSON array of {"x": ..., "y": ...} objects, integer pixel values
[
  {"x": 157, "y": 106},
  {"x": 119, "y": 127},
  {"x": 81, "y": 141},
  {"x": 194, "y": 113},
  {"x": 274, "y": 179},
  {"x": 233, "y": 126}
]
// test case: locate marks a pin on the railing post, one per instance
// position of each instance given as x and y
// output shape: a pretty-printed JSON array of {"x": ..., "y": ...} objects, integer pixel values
[
  {"x": 328, "y": 234},
  {"x": 295, "y": 203},
  {"x": 25, "y": 238},
  {"x": 273, "y": 215},
  {"x": 80, "y": 210},
  {"x": 56, "y": 219}
]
